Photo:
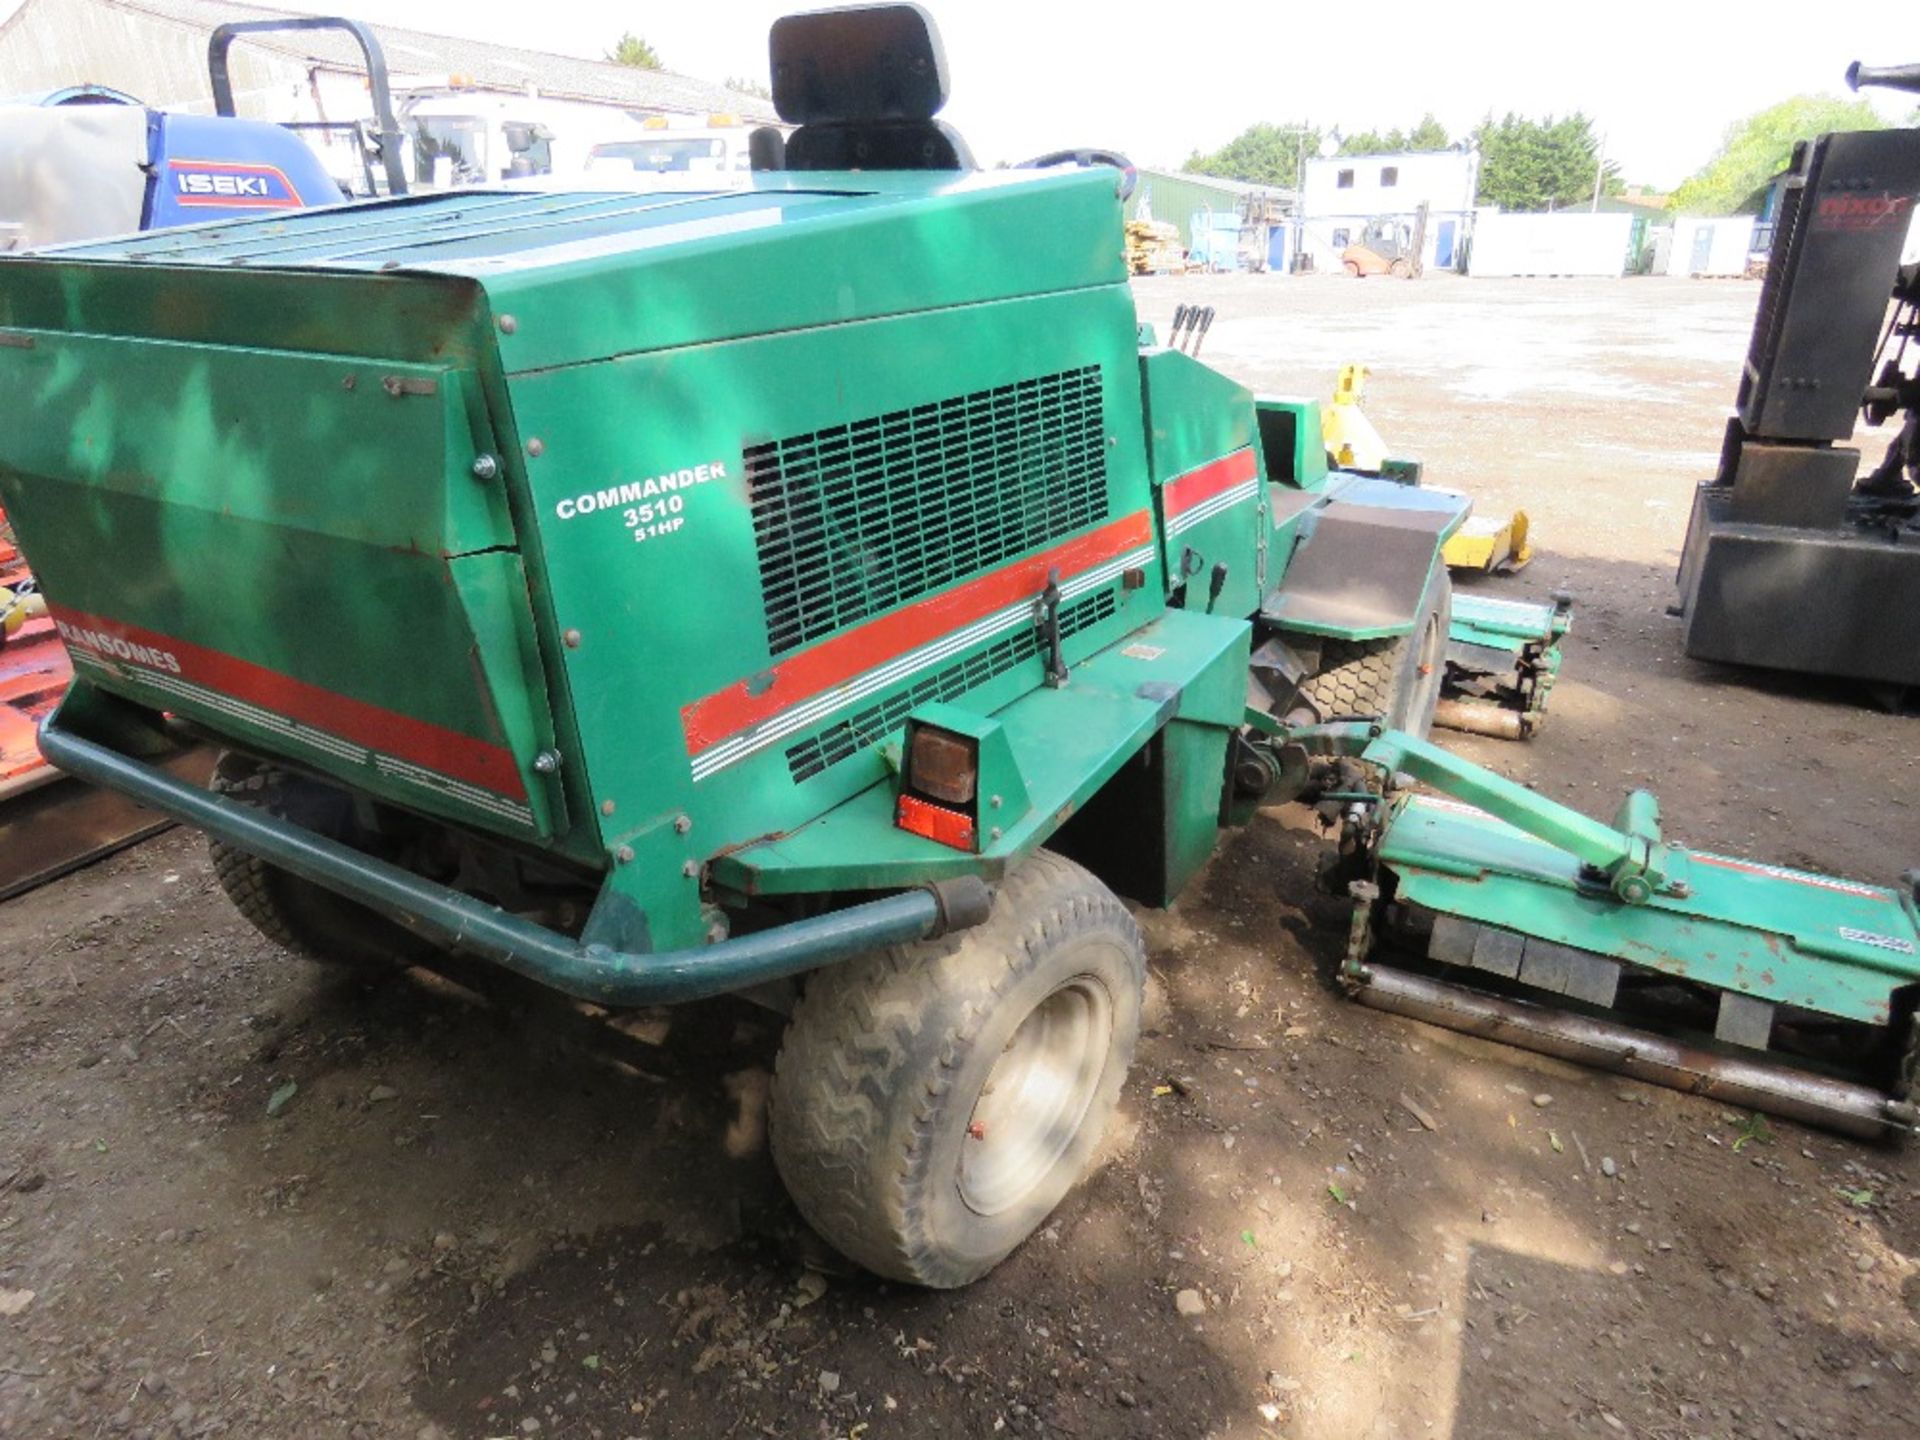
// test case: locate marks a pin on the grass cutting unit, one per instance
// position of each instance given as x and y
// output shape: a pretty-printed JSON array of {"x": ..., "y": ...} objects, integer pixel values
[{"x": 823, "y": 589}]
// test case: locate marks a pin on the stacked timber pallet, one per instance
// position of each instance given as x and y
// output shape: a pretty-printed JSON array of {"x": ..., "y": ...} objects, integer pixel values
[{"x": 1153, "y": 248}]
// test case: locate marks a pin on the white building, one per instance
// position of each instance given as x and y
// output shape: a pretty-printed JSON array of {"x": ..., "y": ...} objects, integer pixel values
[{"x": 1342, "y": 194}]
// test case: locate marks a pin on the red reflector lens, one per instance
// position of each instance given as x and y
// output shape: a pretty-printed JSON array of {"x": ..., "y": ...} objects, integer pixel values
[{"x": 935, "y": 822}]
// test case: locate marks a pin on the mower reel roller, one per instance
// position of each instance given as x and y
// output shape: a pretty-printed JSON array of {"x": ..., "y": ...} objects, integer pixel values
[{"x": 1513, "y": 918}]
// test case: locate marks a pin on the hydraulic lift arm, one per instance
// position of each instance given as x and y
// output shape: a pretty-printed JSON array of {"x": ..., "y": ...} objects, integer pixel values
[{"x": 1629, "y": 858}]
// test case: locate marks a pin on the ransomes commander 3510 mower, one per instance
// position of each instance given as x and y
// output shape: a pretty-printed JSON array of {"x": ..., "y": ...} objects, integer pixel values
[{"x": 822, "y": 589}]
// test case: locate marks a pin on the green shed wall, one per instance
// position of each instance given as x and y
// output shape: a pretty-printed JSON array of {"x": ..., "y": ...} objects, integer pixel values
[{"x": 1176, "y": 197}]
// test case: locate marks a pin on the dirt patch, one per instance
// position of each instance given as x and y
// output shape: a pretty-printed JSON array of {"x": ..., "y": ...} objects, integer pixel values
[{"x": 472, "y": 1219}]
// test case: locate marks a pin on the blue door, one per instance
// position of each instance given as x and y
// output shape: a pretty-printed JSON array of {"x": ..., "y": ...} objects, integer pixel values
[
  {"x": 1702, "y": 250},
  {"x": 1443, "y": 246}
]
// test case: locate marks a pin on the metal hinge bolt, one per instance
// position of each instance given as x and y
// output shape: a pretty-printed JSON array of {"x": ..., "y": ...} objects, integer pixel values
[
  {"x": 547, "y": 762},
  {"x": 486, "y": 467}
]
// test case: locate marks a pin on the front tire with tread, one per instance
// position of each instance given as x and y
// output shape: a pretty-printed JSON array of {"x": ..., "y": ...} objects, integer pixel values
[
  {"x": 1396, "y": 680},
  {"x": 296, "y": 914},
  {"x": 888, "y": 1073}
]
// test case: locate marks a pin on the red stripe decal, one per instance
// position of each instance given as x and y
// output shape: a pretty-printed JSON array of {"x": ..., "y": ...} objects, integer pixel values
[
  {"x": 839, "y": 658},
  {"x": 437, "y": 748},
  {"x": 1196, "y": 487}
]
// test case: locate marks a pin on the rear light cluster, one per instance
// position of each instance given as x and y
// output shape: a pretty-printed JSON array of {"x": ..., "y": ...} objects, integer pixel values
[{"x": 940, "y": 790}]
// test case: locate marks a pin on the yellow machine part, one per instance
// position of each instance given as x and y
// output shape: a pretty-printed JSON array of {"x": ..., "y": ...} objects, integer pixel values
[
  {"x": 1352, "y": 442},
  {"x": 17, "y": 609},
  {"x": 1489, "y": 545}
]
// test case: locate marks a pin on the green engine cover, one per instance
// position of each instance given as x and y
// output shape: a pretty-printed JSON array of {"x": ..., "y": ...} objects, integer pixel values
[
  {"x": 631, "y": 526},
  {"x": 289, "y": 547}
]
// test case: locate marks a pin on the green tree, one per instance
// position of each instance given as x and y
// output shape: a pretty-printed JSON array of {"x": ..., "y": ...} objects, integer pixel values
[
  {"x": 1528, "y": 164},
  {"x": 1759, "y": 147},
  {"x": 1262, "y": 154},
  {"x": 630, "y": 49},
  {"x": 1374, "y": 142},
  {"x": 1429, "y": 134}
]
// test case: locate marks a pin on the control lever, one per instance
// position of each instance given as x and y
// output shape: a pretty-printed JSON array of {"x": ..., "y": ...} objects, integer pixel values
[
  {"x": 1206, "y": 324},
  {"x": 1056, "y": 663}
]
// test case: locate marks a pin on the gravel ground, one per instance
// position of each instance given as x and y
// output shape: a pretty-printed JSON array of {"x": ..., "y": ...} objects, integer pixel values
[{"x": 240, "y": 1197}]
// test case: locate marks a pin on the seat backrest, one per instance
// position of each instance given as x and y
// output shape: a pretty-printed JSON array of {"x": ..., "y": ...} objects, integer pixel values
[
  {"x": 766, "y": 148},
  {"x": 864, "y": 83},
  {"x": 879, "y": 145}
]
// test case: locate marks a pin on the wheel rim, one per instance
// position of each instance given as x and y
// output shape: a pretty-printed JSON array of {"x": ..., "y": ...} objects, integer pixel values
[
  {"x": 1036, "y": 1096},
  {"x": 1430, "y": 662}
]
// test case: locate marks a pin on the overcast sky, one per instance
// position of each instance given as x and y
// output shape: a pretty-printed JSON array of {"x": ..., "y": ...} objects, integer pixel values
[{"x": 1161, "y": 79}]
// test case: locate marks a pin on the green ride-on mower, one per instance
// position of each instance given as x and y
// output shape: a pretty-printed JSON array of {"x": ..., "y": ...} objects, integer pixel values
[{"x": 820, "y": 588}]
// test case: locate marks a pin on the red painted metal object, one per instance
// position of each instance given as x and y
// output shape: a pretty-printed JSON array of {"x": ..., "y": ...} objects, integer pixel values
[
  {"x": 34, "y": 671},
  {"x": 51, "y": 823}
]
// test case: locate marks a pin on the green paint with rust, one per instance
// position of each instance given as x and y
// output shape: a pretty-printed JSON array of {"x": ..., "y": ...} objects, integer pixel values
[
  {"x": 1831, "y": 946},
  {"x": 1195, "y": 416},
  {"x": 1066, "y": 742},
  {"x": 273, "y": 427}
]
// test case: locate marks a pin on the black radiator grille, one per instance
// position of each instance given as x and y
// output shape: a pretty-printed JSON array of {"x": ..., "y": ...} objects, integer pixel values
[
  {"x": 852, "y": 735},
  {"x": 855, "y": 519}
]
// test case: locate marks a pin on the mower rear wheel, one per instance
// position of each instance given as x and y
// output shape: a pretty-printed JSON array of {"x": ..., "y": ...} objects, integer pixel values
[
  {"x": 1400, "y": 270},
  {"x": 934, "y": 1102},
  {"x": 296, "y": 914},
  {"x": 1395, "y": 680}
]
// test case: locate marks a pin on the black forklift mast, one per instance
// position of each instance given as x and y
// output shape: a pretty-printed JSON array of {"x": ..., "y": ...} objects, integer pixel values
[{"x": 1793, "y": 560}]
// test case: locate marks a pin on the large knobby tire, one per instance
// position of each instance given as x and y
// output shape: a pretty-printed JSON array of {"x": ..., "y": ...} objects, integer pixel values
[
  {"x": 296, "y": 914},
  {"x": 1395, "y": 680},
  {"x": 934, "y": 1102}
]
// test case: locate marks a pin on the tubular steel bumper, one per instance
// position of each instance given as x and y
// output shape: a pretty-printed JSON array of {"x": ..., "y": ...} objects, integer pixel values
[{"x": 588, "y": 971}]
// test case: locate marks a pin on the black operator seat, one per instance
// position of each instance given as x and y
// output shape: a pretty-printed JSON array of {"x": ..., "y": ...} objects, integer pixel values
[{"x": 863, "y": 83}]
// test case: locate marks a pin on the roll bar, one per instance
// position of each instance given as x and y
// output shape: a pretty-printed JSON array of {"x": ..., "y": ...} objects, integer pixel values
[{"x": 387, "y": 130}]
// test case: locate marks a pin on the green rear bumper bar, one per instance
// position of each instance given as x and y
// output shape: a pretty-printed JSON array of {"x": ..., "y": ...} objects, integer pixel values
[{"x": 595, "y": 972}]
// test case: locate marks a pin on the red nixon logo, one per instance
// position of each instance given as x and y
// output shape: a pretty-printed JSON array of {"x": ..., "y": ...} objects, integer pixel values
[{"x": 1862, "y": 212}]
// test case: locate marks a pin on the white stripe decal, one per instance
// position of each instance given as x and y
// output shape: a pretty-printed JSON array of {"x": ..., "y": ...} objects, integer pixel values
[
  {"x": 1878, "y": 941},
  {"x": 1798, "y": 877},
  {"x": 452, "y": 789},
  {"x": 332, "y": 746},
  {"x": 788, "y": 722},
  {"x": 1207, "y": 509}
]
